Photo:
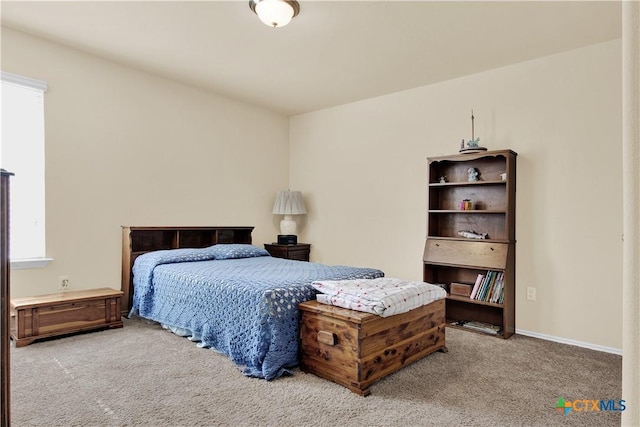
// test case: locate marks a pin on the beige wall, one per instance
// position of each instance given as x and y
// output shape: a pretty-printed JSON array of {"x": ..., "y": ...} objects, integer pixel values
[
  {"x": 362, "y": 169},
  {"x": 125, "y": 147}
]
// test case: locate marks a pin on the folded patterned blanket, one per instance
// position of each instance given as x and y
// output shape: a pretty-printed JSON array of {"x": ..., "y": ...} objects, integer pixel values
[{"x": 384, "y": 296}]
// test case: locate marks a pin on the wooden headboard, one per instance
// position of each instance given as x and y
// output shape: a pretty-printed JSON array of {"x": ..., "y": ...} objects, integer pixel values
[{"x": 139, "y": 240}]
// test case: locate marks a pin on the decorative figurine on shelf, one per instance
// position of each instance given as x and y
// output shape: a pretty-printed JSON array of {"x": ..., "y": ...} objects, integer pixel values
[
  {"x": 470, "y": 234},
  {"x": 442, "y": 179},
  {"x": 474, "y": 175},
  {"x": 473, "y": 145},
  {"x": 503, "y": 176}
]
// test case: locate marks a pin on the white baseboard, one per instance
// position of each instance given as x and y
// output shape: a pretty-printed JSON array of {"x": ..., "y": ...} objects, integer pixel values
[{"x": 568, "y": 341}]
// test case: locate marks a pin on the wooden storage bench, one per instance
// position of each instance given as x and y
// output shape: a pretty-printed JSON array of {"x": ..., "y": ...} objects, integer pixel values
[
  {"x": 356, "y": 349},
  {"x": 46, "y": 316}
]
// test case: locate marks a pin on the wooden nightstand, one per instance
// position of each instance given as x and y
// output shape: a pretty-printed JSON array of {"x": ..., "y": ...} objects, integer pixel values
[{"x": 299, "y": 252}]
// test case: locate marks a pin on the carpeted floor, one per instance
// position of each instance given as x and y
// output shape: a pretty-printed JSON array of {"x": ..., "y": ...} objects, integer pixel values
[{"x": 143, "y": 375}]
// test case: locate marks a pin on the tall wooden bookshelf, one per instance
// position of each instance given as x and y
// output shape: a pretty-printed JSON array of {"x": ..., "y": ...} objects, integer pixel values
[{"x": 490, "y": 212}]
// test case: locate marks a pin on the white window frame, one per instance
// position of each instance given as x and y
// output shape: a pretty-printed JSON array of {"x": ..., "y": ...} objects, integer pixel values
[{"x": 39, "y": 261}]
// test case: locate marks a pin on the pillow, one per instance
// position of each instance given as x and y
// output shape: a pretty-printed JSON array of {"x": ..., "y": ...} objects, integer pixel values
[{"x": 237, "y": 250}]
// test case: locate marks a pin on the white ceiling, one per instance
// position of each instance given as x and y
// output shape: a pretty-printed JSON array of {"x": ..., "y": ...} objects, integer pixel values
[{"x": 333, "y": 52}]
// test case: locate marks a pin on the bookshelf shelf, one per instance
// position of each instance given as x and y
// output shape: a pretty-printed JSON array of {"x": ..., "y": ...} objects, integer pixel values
[
  {"x": 466, "y": 183},
  {"x": 472, "y": 301},
  {"x": 466, "y": 328},
  {"x": 467, "y": 212},
  {"x": 449, "y": 258},
  {"x": 466, "y": 240}
]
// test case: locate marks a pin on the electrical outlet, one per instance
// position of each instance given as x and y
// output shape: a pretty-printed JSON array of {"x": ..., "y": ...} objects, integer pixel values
[
  {"x": 64, "y": 283},
  {"x": 531, "y": 293}
]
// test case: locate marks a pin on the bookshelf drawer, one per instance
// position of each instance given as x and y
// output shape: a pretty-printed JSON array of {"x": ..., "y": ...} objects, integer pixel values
[{"x": 490, "y": 255}]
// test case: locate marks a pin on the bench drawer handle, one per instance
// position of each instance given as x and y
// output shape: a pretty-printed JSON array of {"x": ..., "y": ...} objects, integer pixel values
[{"x": 327, "y": 337}]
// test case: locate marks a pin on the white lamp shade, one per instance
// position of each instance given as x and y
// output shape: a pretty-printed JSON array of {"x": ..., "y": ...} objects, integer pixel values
[
  {"x": 274, "y": 13},
  {"x": 289, "y": 203}
]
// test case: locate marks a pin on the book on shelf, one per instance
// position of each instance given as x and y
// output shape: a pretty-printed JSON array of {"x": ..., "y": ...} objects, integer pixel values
[
  {"x": 476, "y": 285},
  {"x": 483, "y": 284},
  {"x": 491, "y": 277},
  {"x": 496, "y": 296},
  {"x": 487, "y": 328},
  {"x": 489, "y": 287}
]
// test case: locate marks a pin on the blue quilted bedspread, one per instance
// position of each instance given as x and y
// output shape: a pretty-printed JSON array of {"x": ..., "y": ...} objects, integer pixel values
[{"x": 245, "y": 308}]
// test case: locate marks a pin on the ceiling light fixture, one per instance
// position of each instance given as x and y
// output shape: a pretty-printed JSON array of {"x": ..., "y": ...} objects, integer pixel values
[{"x": 275, "y": 13}]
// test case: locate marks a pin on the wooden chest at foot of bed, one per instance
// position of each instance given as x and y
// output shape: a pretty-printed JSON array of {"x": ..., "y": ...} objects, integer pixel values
[
  {"x": 356, "y": 349},
  {"x": 46, "y": 316}
]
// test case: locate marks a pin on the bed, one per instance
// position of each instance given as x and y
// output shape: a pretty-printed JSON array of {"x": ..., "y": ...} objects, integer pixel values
[{"x": 211, "y": 284}]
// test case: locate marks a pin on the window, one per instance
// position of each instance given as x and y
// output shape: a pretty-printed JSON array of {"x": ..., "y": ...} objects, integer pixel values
[{"x": 22, "y": 152}]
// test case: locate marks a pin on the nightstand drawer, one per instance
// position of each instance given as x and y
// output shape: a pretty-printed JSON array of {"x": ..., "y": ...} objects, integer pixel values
[
  {"x": 298, "y": 252},
  {"x": 489, "y": 255}
]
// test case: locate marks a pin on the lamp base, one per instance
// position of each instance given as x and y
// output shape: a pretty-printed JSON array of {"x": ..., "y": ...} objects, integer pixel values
[
  {"x": 287, "y": 239},
  {"x": 288, "y": 225}
]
